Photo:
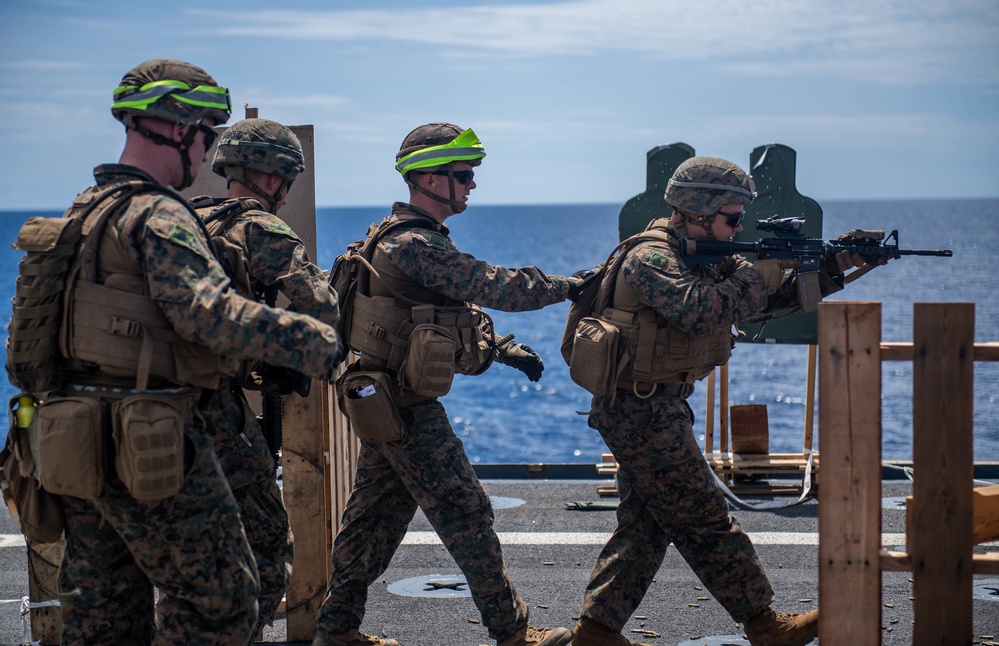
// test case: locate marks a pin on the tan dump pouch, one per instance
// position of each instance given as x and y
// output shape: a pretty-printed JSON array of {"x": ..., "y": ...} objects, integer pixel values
[
  {"x": 38, "y": 511},
  {"x": 127, "y": 335},
  {"x": 429, "y": 366},
  {"x": 149, "y": 433},
  {"x": 72, "y": 446},
  {"x": 366, "y": 400},
  {"x": 594, "y": 364}
]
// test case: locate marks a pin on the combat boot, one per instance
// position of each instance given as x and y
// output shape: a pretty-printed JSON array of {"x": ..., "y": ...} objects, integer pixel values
[
  {"x": 771, "y": 628},
  {"x": 539, "y": 637},
  {"x": 352, "y": 637},
  {"x": 594, "y": 633}
]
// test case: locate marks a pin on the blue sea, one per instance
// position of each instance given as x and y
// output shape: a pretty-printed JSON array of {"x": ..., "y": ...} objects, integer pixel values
[{"x": 503, "y": 418}]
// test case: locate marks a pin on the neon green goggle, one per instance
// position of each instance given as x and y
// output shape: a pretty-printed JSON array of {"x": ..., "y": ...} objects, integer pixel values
[
  {"x": 464, "y": 147},
  {"x": 209, "y": 97}
]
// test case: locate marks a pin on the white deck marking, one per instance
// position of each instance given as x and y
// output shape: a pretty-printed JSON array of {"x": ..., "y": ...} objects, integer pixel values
[{"x": 599, "y": 538}]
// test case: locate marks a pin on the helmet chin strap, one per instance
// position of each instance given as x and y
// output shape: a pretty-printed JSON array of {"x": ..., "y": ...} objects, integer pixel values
[
  {"x": 703, "y": 221},
  {"x": 239, "y": 175},
  {"x": 455, "y": 205},
  {"x": 183, "y": 147}
]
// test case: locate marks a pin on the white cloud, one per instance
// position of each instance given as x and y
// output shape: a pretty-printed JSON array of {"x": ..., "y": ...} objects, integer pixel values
[
  {"x": 886, "y": 40},
  {"x": 303, "y": 101},
  {"x": 43, "y": 65}
]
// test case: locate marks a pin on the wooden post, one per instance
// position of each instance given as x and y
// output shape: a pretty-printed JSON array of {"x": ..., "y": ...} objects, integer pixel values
[
  {"x": 724, "y": 432},
  {"x": 850, "y": 496},
  {"x": 809, "y": 399},
  {"x": 941, "y": 513},
  {"x": 709, "y": 416},
  {"x": 43, "y": 571}
]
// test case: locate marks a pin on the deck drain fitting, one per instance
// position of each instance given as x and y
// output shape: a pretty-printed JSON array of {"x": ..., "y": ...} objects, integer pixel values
[
  {"x": 434, "y": 586},
  {"x": 894, "y": 502},
  {"x": 987, "y": 589},
  {"x": 718, "y": 640},
  {"x": 499, "y": 502}
]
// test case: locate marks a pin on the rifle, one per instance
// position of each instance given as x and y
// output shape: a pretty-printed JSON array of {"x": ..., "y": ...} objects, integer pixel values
[
  {"x": 788, "y": 243},
  {"x": 275, "y": 381}
]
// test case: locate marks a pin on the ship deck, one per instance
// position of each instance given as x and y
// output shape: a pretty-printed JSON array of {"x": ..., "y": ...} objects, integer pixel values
[{"x": 549, "y": 551}]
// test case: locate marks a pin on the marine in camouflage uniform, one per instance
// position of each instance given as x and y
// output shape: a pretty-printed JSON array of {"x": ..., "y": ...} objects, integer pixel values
[
  {"x": 190, "y": 546},
  {"x": 260, "y": 159},
  {"x": 428, "y": 468},
  {"x": 668, "y": 494}
]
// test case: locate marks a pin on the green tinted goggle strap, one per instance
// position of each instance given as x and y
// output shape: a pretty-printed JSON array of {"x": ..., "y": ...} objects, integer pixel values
[
  {"x": 202, "y": 96},
  {"x": 464, "y": 147}
]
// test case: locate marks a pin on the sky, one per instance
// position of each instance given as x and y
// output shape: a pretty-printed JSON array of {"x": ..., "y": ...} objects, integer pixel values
[{"x": 881, "y": 99}]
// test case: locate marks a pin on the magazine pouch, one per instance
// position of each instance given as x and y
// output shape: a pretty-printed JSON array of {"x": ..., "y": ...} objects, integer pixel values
[
  {"x": 594, "y": 359},
  {"x": 429, "y": 366},
  {"x": 72, "y": 446},
  {"x": 38, "y": 511},
  {"x": 366, "y": 400},
  {"x": 149, "y": 434}
]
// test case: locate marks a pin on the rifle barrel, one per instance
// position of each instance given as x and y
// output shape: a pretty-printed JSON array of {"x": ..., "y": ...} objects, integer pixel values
[{"x": 926, "y": 252}]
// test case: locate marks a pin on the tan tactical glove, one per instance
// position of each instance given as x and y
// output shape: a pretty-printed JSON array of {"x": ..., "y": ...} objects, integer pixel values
[
  {"x": 772, "y": 271},
  {"x": 846, "y": 260}
]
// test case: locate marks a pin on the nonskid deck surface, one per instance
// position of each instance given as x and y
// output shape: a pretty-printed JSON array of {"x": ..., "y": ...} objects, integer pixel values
[{"x": 549, "y": 550}]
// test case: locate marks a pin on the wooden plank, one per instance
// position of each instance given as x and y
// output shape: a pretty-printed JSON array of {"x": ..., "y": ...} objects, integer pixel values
[
  {"x": 986, "y": 514},
  {"x": 343, "y": 455},
  {"x": 303, "y": 465},
  {"x": 940, "y": 544},
  {"x": 987, "y": 563},
  {"x": 904, "y": 351},
  {"x": 896, "y": 352},
  {"x": 850, "y": 496},
  {"x": 987, "y": 351},
  {"x": 892, "y": 561}
]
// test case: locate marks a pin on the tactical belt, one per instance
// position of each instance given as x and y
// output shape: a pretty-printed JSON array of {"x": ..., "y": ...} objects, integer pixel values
[{"x": 646, "y": 390}]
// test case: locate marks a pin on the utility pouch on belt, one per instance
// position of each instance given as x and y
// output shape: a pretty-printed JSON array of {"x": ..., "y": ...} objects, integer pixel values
[
  {"x": 595, "y": 364},
  {"x": 38, "y": 511},
  {"x": 366, "y": 399},
  {"x": 429, "y": 366},
  {"x": 72, "y": 446},
  {"x": 149, "y": 433}
]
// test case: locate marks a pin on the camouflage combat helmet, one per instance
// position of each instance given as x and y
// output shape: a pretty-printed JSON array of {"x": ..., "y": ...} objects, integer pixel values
[
  {"x": 172, "y": 91},
  {"x": 433, "y": 148},
  {"x": 262, "y": 145},
  {"x": 702, "y": 185}
]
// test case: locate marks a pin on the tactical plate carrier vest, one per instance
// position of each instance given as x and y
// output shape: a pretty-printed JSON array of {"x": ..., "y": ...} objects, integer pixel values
[
  {"x": 384, "y": 312},
  {"x": 66, "y": 323},
  {"x": 637, "y": 348}
]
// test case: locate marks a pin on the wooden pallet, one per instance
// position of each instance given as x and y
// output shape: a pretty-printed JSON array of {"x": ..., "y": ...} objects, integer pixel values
[{"x": 749, "y": 474}]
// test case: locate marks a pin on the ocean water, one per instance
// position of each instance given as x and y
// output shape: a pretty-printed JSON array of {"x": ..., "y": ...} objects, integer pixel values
[{"x": 503, "y": 418}]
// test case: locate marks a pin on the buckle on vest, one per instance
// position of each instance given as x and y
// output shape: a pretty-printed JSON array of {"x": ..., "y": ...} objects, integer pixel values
[
  {"x": 376, "y": 330},
  {"x": 124, "y": 327}
]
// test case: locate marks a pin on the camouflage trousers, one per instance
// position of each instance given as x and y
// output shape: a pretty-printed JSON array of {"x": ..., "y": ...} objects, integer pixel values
[
  {"x": 668, "y": 494},
  {"x": 250, "y": 469},
  {"x": 429, "y": 469},
  {"x": 190, "y": 547}
]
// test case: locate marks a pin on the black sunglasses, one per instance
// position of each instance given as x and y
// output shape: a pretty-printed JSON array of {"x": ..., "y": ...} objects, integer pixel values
[
  {"x": 210, "y": 134},
  {"x": 464, "y": 177},
  {"x": 733, "y": 219}
]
